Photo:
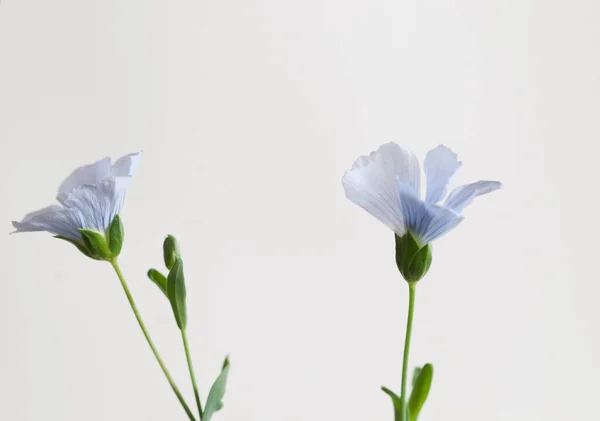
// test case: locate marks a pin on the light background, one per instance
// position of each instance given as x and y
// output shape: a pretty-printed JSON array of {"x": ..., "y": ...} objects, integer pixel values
[{"x": 248, "y": 113}]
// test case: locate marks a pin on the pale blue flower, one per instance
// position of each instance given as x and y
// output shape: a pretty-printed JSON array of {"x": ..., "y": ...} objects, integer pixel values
[
  {"x": 89, "y": 198},
  {"x": 387, "y": 184}
]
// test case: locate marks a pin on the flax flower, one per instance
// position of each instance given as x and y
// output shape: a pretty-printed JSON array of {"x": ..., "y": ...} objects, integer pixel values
[
  {"x": 90, "y": 199},
  {"x": 387, "y": 184}
]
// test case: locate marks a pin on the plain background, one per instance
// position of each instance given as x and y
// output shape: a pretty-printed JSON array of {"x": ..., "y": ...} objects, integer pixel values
[{"x": 248, "y": 113}]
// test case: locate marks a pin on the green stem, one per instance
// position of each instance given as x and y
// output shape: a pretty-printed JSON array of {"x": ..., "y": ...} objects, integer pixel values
[
  {"x": 191, "y": 369},
  {"x": 409, "y": 323},
  {"x": 115, "y": 265}
]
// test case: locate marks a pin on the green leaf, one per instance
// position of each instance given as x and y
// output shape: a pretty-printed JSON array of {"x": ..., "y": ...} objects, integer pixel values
[
  {"x": 416, "y": 373},
  {"x": 400, "y": 412},
  {"x": 170, "y": 251},
  {"x": 214, "y": 402},
  {"x": 419, "y": 265},
  {"x": 176, "y": 293},
  {"x": 116, "y": 235},
  {"x": 159, "y": 279},
  {"x": 420, "y": 391},
  {"x": 95, "y": 243},
  {"x": 81, "y": 247}
]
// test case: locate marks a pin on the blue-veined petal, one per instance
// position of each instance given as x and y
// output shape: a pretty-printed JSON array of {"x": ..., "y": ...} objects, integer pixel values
[
  {"x": 366, "y": 189},
  {"x": 88, "y": 174},
  {"x": 126, "y": 165},
  {"x": 372, "y": 183},
  {"x": 426, "y": 221},
  {"x": 461, "y": 196},
  {"x": 54, "y": 219},
  {"x": 399, "y": 164},
  {"x": 440, "y": 165},
  {"x": 97, "y": 205}
]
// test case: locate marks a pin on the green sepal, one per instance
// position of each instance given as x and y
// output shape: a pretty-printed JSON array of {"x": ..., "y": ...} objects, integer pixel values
[
  {"x": 406, "y": 248},
  {"x": 176, "y": 293},
  {"x": 159, "y": 279},
  {"x": 80, "y": 246},
  {"x": 170, "y": 251},
  {"x": 214, "y": 402},
  {"x": 420, "y": 391},
  {"x": 116, "y": 235},
  {"x": 412, "y": 259},
  {"x": 401, "y": 412},
  {"x": 419, "y": 264},
  {"x": 95, "y": 243}
]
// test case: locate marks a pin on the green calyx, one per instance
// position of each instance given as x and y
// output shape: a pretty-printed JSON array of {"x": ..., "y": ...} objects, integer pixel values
[
  {"x": 100, "y": 246},
  {"x": 412, "y": 258}
]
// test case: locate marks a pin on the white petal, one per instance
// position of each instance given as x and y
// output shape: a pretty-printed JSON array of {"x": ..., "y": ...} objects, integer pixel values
[
  {"x": 461, "y": 196},
  {"x": 440, "y": 166},
  {"x": 54, "y": 219},
  {"x": 398, "y": 163},
  {"x": 97, "y": 205},
  {"x": 88, "y": 174},
  {"x": 372, "y": 183},
  {"x": 427, "y": 221},
  {"x": 126, "y": 165},
  {"x": 375, "y": 199}
]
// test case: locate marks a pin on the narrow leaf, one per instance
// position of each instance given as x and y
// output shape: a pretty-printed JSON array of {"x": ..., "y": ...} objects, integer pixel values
[
  {"x": 176, "y": 293},
  {"x": 116, "y": 236},
  {"x": 399, "y": 409},
  {"x": 214, "y": 402},
  {"x": 420, "y": 391},
  {"x": 159, "y": 279}
]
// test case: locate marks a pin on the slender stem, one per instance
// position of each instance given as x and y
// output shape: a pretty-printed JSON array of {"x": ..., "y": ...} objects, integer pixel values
[
  {"x": 409, "y": 323},
  {"x": 115, "y": 265},
  {"x": 191, "y": 369}
]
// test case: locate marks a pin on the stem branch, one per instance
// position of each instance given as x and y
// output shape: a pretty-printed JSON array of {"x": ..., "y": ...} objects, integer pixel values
[
  {"x": 191, "y": 369},
  {"x": 115, "y": 265}
]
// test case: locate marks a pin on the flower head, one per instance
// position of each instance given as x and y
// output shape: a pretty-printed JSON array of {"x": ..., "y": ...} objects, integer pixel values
[
  {"x": 89, "y": 200},
  {"x": 387, "y": 184}
]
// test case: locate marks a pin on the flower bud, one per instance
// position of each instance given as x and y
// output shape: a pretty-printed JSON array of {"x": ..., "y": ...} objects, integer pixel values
[
  {"x": 412, "y": 259},
  {"x": 171, "y": 251}
]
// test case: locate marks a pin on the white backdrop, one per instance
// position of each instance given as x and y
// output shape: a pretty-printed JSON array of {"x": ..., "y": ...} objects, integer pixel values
[{"x": 248, "y": 113}]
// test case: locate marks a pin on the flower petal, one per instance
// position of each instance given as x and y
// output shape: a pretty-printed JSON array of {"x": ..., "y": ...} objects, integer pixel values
[
  {"x": 88, "y": 174},
  {"x": 372, "y": 194},
  {"x": 440, "y": 166},
  {"x": 398, "y": 163},
  {"x": 372, "y": 183},
  {"x": 427, "y": 221},
  {"x": 54, "y": 219},
  {"x": 126, "y": 165},
  {"x": 97, "y": 205},
  {"x": 462, "y": 196}
]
